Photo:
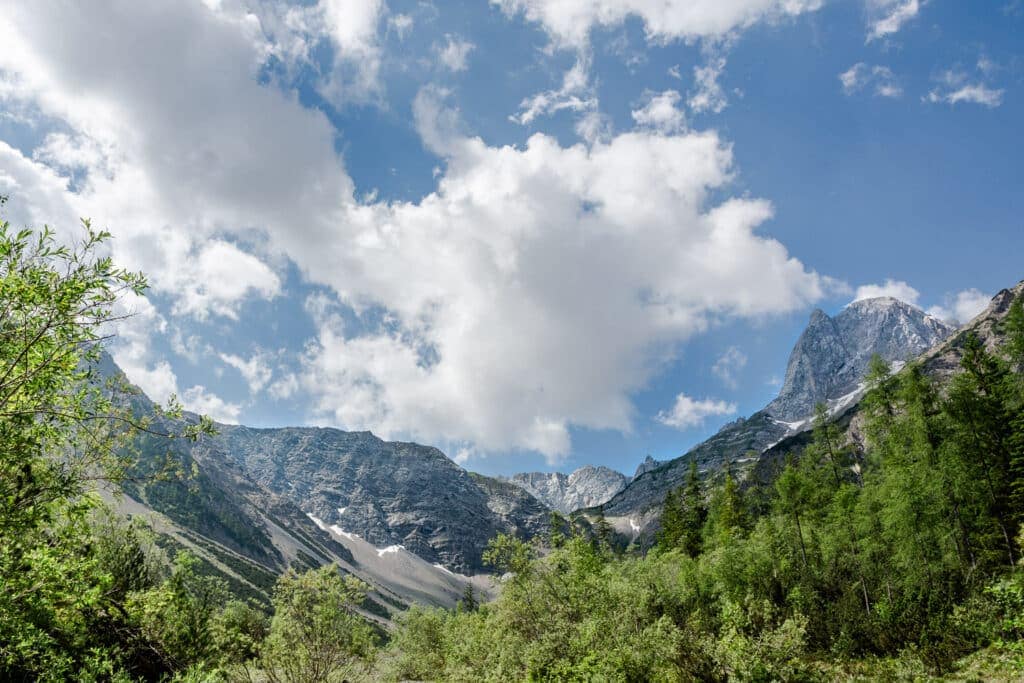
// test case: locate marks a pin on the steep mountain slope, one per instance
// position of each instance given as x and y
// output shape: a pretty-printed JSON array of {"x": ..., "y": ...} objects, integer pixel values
[
  {"x": 250, "y": 534},
  {"x": 940, "y": 362},
  {"x": 832, "y": 355},
  {"x": 388, "y": 493},
  {"x": 826, "y": 365},
  {"x": 586, "y": 487}
]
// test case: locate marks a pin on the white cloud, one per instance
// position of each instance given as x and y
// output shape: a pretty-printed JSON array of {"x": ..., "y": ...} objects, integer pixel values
[
  {"x": 596, "y": 262},
  {"x": 688, "y": 412},
  {"x": 353, "y": 27},
  {"x": 285, "y": 387},
  {"x": 708, "y": 94},
  {"x": 402, "y": 25},
  {"x": 569, "y": 22},
  {"x": 887, "y": 17},
  {"x": 462, "y": 456},
  {"x": 454, "y": 54},
  {"x": 576, "y": 94},
  {"x": 167, "y": 168},
  {"x": 220, "y": 276},
  {"x": 255, "y": 370},
  {"x": 970, "y": 93},
  {"x": 881, "y": 79},
  {"x": 660, "y": 112},
  {"x": 897, "y": 289},
  {"x": 132, "y": 351},
  {"x": 962, "y": 307},
  {"x": 956, "y": 86},
  {"x": 728, "y": 364},
  {"x": 199, "y": 400},
  {"x": 538, "y": 288}
]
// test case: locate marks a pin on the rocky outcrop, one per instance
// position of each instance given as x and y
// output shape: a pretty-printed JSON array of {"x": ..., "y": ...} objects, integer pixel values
[
  {"x": 586, "y": 487},
  {"x": 647, "y": 465},
  {"x": 831, "y": 357}
]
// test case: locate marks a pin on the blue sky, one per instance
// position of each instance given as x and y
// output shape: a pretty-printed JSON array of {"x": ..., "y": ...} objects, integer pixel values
[{"x": 536, "y": 234}]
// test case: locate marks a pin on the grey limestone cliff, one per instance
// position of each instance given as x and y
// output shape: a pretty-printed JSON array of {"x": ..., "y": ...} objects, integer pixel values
[
  {"x": 387, "y": 493},
  {"x": 586, "y": 487},
  {"x": 832, "y": 355}
]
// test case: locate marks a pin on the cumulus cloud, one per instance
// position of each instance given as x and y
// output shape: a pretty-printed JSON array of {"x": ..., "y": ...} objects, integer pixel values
[
  {"x": 897, "y": 289},
  {"x": 284, "y": 387},
  {"x": 687, "y": 412},
  {"x": 728, "y": 364},
  {"x": 536, "y": 289},
  {"x": 199, "y": 400},
  {"x": 569, "y": 22},
  {"x": 454, "y": 54},
  {"x": 598, "y": 259},
  {"x": 167, "y": 168},
  {"x": 133, "y": 352},
  {"x": 886, "y": 17},
  {"x": 880, "y": 79},
  {"x": 961, "y": 307},
  {"x": 660, "y": 112},
  {"x": 353, "y": 27}
]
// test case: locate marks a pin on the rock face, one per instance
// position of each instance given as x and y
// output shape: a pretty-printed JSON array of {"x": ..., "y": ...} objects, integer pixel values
[
  {"x": 387, "y": 493},
  {"x": 832, "y": 355},
  {"x": 827, "y": 364},
  {"x": 330, "y": 484},
  {"x": 647, "y": 465},
  {"x": 586, "y": 487}
]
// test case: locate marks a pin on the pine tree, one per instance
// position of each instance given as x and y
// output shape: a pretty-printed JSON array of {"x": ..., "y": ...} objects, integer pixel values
[
  {"x": 603, "y": 531},
  {"x": 694, "y": 512},
  {"x": 671, "y": 530}
]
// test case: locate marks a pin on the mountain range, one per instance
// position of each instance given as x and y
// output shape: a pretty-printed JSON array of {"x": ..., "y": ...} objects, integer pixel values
[{"x": 414, "y": 524}]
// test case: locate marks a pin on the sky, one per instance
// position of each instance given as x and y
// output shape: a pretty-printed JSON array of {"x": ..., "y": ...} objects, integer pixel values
[{"x": 533, "y": 233}]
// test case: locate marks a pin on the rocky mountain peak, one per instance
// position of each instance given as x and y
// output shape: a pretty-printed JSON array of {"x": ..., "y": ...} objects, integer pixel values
[
  {"x": 832, "y": 355},
  {"x": 588, "y": 486},
  {"x": 647, "y": 465}
]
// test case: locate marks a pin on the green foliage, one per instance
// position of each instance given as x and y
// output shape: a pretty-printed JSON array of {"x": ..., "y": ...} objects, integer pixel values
[
  {"x": 315, "y": 634},
  {"x": 68, "y": 568},
  {"x": 178, "y": 614}
]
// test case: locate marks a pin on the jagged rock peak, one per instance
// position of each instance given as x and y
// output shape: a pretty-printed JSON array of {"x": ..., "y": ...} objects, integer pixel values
[
  {"x": 585, "y": 487},
  {"x": 647, "y": 465},
  {"x": 832, "y": 355}
]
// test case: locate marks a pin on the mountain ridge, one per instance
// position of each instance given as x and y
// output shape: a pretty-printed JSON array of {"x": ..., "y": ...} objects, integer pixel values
[
  {"x": 586, "y": 486},
  {"x": 841, "y": 345}
]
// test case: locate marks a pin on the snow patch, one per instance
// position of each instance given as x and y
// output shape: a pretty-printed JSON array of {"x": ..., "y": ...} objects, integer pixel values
[
  {"x": 790, "y": 426},
  {"x": 444, "y": 568},
  {"x": 837, "y": 405},
  {"x": 316, "y": 520},
  {"x": 341, "y": 532},
  {"x": 341, "y": 511},
  {"x": 390, "y": 549}
]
